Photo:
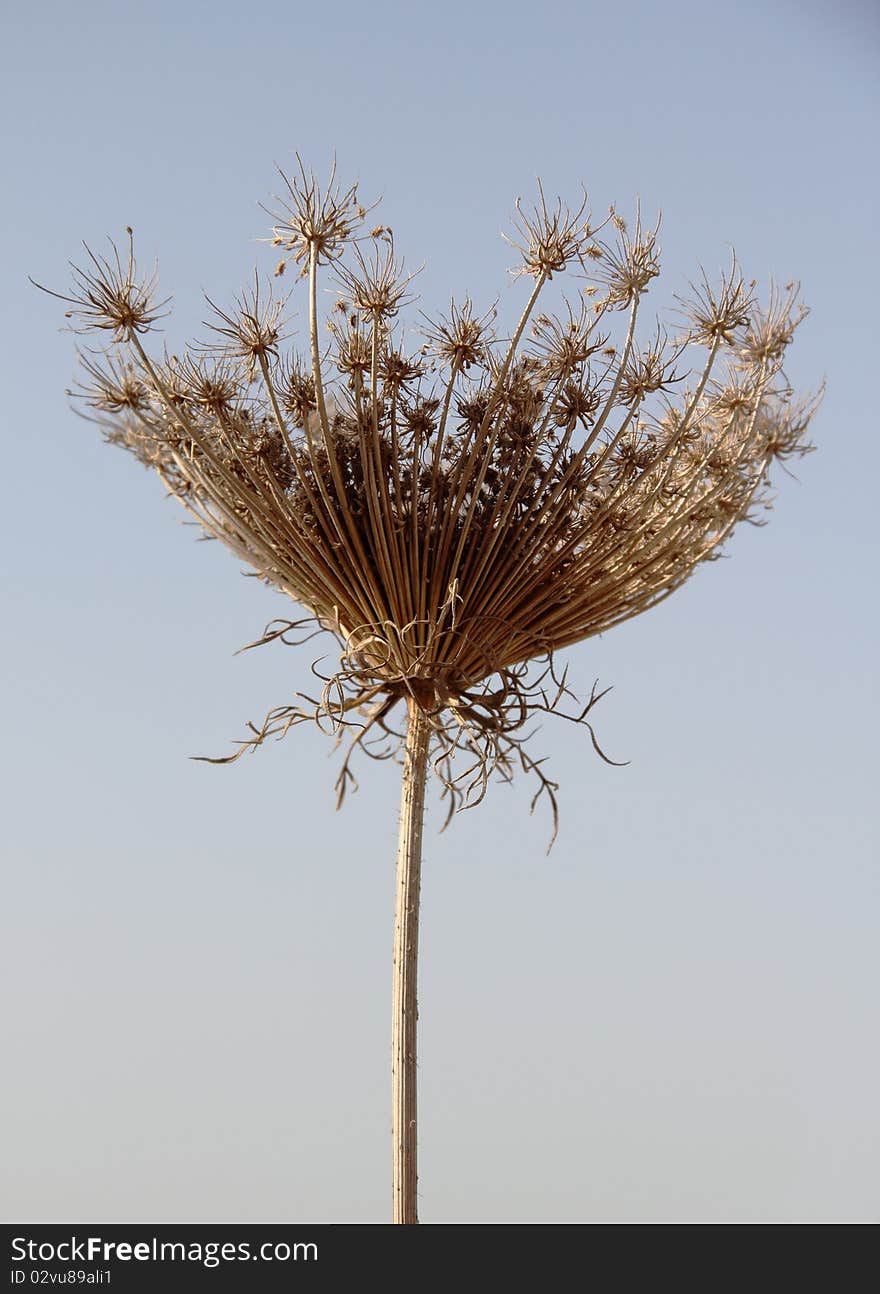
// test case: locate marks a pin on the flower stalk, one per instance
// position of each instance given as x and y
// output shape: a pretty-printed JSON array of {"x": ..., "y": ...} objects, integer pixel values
[{"x": 404, "y": 998}]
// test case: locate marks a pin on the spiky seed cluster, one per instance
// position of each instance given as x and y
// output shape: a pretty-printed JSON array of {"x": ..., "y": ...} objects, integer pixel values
[
  {"x": 377, "y": 285},
  {"x": 315, "y": 221},
  {"x": 109, "y": 295},
  {"x": 250, "y": 332},
  {"x": 550, "y": 239},
  {"x": 453, "y": 515},
  {"x": 462, "y": 339}
]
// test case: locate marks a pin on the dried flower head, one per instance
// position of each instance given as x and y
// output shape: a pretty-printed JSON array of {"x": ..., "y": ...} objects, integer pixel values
[
  {"x": 564, "y": 344},
  {"x": 549, "y": 239},
  {"x": 251, "y": 331},
  {"x": 315, "y": 221},
  {"x": 114, "y": 385},
  {"x": 627, "y": 268},
  {"x": 461, "y": 339},
  {"x": 452, "y": 516},
  {"x": 110, "y": 295},
  {"x": 377, "y": 287},
  {"x": 717, "y": 311}
]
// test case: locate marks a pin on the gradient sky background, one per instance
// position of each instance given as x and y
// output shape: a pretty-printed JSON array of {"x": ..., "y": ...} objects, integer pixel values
[{"x": 672, "y": 1017}]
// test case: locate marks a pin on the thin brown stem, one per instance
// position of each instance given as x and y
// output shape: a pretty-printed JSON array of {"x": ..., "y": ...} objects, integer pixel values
[{"x": 404, "y": 1009}]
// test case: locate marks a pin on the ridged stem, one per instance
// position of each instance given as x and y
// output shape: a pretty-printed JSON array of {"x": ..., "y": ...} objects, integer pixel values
[{"x": 404, "y": 1009}]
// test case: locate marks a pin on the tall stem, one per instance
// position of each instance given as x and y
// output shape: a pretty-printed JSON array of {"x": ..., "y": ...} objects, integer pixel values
[{"x": 404, "y": 1008}]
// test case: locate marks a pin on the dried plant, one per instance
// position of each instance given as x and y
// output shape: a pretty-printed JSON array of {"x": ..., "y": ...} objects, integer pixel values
[{"x": 452, "y": 515}]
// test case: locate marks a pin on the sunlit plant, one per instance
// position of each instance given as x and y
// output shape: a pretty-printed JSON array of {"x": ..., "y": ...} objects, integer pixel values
[{"x": 455, "y": 514}]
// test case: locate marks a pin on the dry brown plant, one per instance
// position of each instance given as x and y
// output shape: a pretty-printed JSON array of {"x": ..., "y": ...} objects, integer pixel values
[{"x": 451, "y": 516}]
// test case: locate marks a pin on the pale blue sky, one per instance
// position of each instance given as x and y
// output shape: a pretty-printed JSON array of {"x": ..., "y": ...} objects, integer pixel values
[{"x": 674, "y": 1016}]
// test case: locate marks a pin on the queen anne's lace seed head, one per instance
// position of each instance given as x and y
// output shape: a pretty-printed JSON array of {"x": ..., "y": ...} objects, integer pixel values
[{"x": 452, "y": 512}]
